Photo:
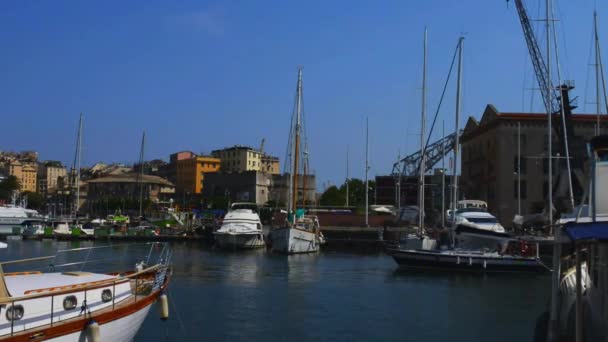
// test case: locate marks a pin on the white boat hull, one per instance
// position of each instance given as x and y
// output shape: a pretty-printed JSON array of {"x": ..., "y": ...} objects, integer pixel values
[
  {"x": 291, "y": 241},
  {"x": 122, "y": 329},
  {"x": 245, "y": 241}
]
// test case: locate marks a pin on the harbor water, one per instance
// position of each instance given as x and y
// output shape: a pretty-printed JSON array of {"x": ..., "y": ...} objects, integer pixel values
[{"x": 334, "y": 296}]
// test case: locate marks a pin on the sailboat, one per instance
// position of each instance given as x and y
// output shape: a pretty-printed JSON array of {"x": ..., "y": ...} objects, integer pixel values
[
  {"x": 456, "y": 259},
  {"x": 299, "y": 234}
]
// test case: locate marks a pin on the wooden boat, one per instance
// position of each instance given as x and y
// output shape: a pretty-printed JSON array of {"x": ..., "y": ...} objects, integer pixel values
[{"x": 80, "y": 305}]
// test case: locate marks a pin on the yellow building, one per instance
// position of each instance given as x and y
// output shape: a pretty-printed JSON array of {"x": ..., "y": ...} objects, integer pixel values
[
  {"x": 49, "y": 174},
  {"x": 190, "y": 173},
  {"x": 271, "y": 165},
  {"x": 239, "y": 159},
  {"x": 25, "y": 173}
]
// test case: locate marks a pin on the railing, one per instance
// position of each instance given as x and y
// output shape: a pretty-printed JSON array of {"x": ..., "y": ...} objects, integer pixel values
[{"x": 158, "y": 272}]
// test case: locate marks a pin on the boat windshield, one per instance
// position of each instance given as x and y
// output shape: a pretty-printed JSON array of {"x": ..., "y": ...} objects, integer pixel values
[
  {"x": 251, "y": 206},
  {"x": 471, "y": 210},
  {"x": 482, "y": 219}
]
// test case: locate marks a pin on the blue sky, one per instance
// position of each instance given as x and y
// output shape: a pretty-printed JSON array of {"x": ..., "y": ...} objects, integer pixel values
[{"x": 202, "y": 75}]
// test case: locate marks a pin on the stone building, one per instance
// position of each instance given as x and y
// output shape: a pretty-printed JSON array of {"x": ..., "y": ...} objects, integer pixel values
[
  {"x": 271, "y": 165},
  {"x": 489, "y": 162},
  {"x": 126, "y": 187},
  {"x": 25, "y": 172},
  {"x": 248, "y": 186},
  {"x": 307, "y": 189},
  {"x": 49, "y": 176}
]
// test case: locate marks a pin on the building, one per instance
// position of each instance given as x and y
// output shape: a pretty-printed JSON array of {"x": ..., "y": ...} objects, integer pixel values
[
  {"x": 25, "y": 172},
  {"x": 307, "y": 189},
  {"x": 49, "y": 175},
  {"x": 271, "y": 165},
  {"x": 248, "y": 186},
  {"x": 190, "y": 173},
  {"x": 126, "y": 187},
  {"x": 489, "y": 163},
  {"x": 239, "y": 159}
]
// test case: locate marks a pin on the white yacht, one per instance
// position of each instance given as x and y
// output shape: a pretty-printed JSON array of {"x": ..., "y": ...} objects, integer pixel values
[
  {"x": 475, "y": 228},
  {"x": 13, "y": 215},
  {"x": 241, "y": 228}
]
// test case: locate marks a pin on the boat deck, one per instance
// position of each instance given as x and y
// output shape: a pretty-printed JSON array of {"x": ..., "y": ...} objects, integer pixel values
[{"x": 24, "y": 284}]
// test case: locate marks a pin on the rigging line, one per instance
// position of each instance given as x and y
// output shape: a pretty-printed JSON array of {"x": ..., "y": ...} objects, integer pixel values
[
  {"x": 445, "y": 86},
  {"x": 564, "y": 128},
  {"x": 599, "y": 52}
]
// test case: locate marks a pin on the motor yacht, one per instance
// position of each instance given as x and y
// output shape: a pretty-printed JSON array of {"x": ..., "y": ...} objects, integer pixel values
[{"x": 241, "y": 228}]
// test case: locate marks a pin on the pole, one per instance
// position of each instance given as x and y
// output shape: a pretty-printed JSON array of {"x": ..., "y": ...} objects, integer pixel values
[
  {"x": 555, "y": 276},
  {"x": 79, "y": 156},
  {"x": 457, "y": 140},
  {"x": 518, "y": 168},
  {"x": 366, "y": 172},
  {"x": 443, "y": 174},
  {"x": 422, "y": 146},
  {"x": 347, "y": 162},
  {"x": 597, "y": 74},
  {"x": 296, "y": 147},
  {"x": 141, "y": 174}
]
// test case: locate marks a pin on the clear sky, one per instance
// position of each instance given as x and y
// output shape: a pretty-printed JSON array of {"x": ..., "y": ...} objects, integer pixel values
[{"x": 202, "y": 75}]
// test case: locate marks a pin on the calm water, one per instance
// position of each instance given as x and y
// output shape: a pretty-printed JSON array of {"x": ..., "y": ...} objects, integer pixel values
[{"x": 335, "y": 296}]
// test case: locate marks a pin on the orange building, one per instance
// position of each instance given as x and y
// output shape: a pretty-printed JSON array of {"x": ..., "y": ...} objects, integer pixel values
[{"x": 190, "y": 173}]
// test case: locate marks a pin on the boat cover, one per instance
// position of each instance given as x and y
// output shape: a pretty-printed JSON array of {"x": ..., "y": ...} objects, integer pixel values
[{"x": 578, "y": 231}]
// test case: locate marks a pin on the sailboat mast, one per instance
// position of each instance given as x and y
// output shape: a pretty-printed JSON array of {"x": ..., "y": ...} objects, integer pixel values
[
  {"x": 141, "y": 173},
  {"x": 422, "y": 147},
  {"x": 597, "y": 74},
  {"x": 347, "y": 162},
  {"x": 366, "y": 172},
  {"x": 296, "y": 148},
  {"x": 443, "y": 174},
  {"x": 456, "y": 129},
  {"x": 78, "y": 158}
]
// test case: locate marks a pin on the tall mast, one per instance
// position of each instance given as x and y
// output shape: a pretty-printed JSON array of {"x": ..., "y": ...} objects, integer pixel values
[
  {"x": 456, "y": 129},
  {"x": 305, "y": 168},
  {"x": 422, "y": 147},
  {"x": 141, "y": 173},
  {"x": 443, "y": 174},
  {"x": 556, "y": 273},
  {"x": 347, "y": 175},
  {"x": 296, "y": 148},
  {"x": 78, "y": 161},
  {"x": 597, "y": 74},
  {"x": 366, "y": 171}
]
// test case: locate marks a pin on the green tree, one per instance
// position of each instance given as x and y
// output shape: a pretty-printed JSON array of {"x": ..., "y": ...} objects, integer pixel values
[
  {"x": 333, "y": 197},
  {"x": 7, "y": 186},
  {"x": 34, "y": 200},
  {"x": 356, "y": 192}
]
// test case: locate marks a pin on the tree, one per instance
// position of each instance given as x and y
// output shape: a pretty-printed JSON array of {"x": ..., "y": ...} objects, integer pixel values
[
  {"x": 333, "y": 197},
  {"x": 34, "y": 200},
  {"x": 8, "y": 186},
  {"x": 356, "y": 192}
]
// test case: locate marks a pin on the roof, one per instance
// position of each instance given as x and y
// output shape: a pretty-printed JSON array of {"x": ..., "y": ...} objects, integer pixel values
[
  {"x": 492, "y": 117},
  {"x": 594, "y": 231},
  {"x": 131, "y": 178},
  {"x": 236, "y": 148}
]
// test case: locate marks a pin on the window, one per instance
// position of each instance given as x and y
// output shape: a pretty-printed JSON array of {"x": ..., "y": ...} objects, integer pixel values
[
  {"x": 70, "y": 302},
  {"x": 14, "y": 313},
  {"x": 106, "y": 295}
]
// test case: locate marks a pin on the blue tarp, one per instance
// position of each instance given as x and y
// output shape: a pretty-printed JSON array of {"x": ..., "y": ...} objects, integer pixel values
[{"x": 587, "y": 231}]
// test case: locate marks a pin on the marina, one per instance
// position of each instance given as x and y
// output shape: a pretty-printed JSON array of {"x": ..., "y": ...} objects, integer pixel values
[
  {"x": 255, "y": 294},
  {"x": 195, "y": 194}
]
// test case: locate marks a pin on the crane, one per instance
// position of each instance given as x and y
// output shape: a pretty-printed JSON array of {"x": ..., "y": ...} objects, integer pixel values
[
  {"x": 409, "y": 166},
  {"x": 557, "y": 102}
]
